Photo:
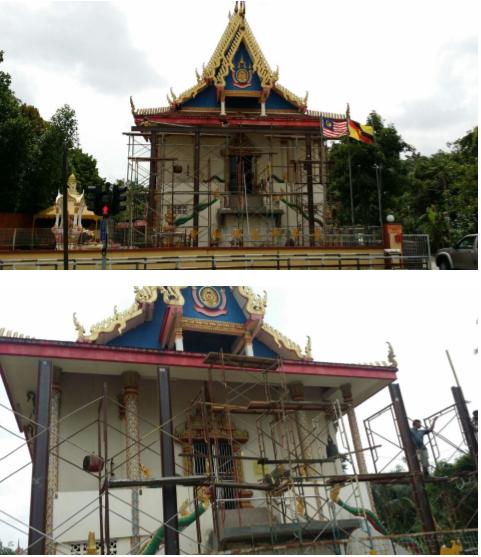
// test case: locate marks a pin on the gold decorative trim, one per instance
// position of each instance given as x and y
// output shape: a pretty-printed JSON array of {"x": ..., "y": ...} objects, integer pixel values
[
  {"x": 11, "y": 334},
  {"x": 255, "y": 303},
  {"x": 194, "y": 324},
  {"x": 282, "y": 341}
]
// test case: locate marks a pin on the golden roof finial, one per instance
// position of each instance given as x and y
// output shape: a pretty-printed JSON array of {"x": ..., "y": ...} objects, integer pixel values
[
  {"x": 72, "y": 184},
  {"x": 78, "y": 326},
  {"x": 91, "y": 545},
  {"x": 242, "y": 9},
  {"x": 391, "y": 356},
  {"x": 236, "y": 9},
  {"x": 132, "y": 106},
  {"x": 308, "y": 348}
]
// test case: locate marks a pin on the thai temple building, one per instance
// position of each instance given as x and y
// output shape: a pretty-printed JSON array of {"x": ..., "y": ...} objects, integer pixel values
[
  {"x": 188, "y": 424},
  {"x": 237, "y": 160}
]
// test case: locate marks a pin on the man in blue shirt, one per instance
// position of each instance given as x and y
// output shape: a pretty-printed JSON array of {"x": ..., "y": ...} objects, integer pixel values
[{"x": 417, "y": 435}]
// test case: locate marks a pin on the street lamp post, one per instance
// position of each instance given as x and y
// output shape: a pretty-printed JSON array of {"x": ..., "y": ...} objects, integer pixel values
[{"x": 378, "y": 169}]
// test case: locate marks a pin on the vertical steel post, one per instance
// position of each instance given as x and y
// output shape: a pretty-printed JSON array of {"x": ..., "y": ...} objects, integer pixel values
[
  {"x": 195, "y": 237},
  {"x": 38, "y": 499},
  {"x": 420, "y": 496},
  {"x": 152, "y": 206},
  {"x": 466, "y": 423},
  {"x": 169, "y": 492},
  {"x": 105, "y": 409},
  {"x": 310, "y": 189}
]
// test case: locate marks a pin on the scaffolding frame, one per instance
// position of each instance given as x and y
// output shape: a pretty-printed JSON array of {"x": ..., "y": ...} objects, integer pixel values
[{"x": 287, "y": 498}]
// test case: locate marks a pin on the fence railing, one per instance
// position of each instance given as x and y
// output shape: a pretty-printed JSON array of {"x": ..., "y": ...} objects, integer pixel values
[
  {"x": 241, "y": 261},
  {"x": 13, "y": 239}
]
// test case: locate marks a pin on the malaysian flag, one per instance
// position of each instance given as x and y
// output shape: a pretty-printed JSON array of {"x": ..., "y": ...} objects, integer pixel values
[{"x": 333, "y": 129}]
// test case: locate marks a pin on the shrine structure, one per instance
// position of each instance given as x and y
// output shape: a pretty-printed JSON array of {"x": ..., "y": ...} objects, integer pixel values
[
  {"x": 237, "y": 160},
  {"x": 187, "y": 423}
]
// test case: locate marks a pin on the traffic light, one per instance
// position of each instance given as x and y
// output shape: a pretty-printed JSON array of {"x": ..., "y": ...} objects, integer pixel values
[
  {"x": 119, "y": 199},
  {"x": 92, "y": 197},
  {"x": 99, "y": 199}
]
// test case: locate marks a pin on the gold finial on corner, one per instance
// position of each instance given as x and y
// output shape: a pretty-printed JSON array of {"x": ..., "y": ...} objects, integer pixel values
[
  {"x": 242, "y": 9},
  {"x": 306, "y": 97},
  {"x": 236, "y": 9},
  {"x": 391, "y": 356},
  {"x": 308, "y": 348},
  {"x": 78, "y": 326},
  {"x": 132, "y": 105},
  {"x": 174, "y": 96}
]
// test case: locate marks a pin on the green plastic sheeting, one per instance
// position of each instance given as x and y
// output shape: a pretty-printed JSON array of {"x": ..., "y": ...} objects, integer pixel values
[
  {"x": 184, "y": 521},
  {"x": 197, "y": 209},
  {"x": 301, "y": 210}
]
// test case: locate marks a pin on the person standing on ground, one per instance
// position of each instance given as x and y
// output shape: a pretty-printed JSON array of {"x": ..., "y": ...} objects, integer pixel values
[{"x": 417, "y": 435}]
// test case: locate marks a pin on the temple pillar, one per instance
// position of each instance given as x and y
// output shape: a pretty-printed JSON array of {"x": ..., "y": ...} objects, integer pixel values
[
  {"x": 356, "y": 437},
  {"x": 52, "y": 482},
  {"x": 179, "y": 340},
  {"x": 304, "y": 429},
  {"x": 263, "y": 109},
  {"x": 130, "y": 381}
]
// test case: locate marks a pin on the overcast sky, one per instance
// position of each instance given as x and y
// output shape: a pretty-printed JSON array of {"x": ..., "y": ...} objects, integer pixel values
[
  {"x": 413, "y": 62},
  {"x": 349, "y": 315}
]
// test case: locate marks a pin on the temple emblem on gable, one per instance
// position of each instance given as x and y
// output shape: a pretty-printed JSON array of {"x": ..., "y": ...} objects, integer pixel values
[
  {"x": 209, "y": 300},
  {"x": 242, "y": 74}
]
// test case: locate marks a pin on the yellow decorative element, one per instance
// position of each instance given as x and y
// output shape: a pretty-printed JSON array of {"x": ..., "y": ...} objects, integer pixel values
[
  {"x": 237, "y": 233},
  {"x": 172, "y": 295},
  {"x": 145, "y": 294},
  {"x": 455, "y": 549},
  {"x": 308, "y": 348},
  {"x": 391, "y": 356},
  {"x": 317, "y": 234},
  {"x": 11, "y": 334},
  {"x": 118, "y": 320},
  {"x": 256, "y": 235},
  {"x": 78, "y": 326},
  {"x": 282, "y": 341},
  {"x": 184, "y": 508},
  {"x": 276, "y": 233},
  {"x": 91, "y": 544},
  {"x": 193, "y": 324},
  {"x": 146, "y": 472},
  {"x": 300, "y": 507},
  {"x": 373, "y": 552},
  {"x": 255, "y": 303},
  {"x": 72, "y": 185},
  {"x": 335, "y": 493},
  {"x": 296, "y": 233},
  {"x": 194, "y": 234}
]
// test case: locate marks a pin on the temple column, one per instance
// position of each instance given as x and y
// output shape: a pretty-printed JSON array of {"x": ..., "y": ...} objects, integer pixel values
[
  {"x": 179, "y": 340},
  {"x": 52, "y": 482},
  {"x": 248, "y": 346},
  {"x": 356, "y": 437},
  {"x": 131, "y": 399},
  {"x": 304, "y": 429},
  {"x": 263, "y": 109}
]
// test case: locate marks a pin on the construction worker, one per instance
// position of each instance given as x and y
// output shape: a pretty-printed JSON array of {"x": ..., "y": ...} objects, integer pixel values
[{"x": 417, "y": 435}]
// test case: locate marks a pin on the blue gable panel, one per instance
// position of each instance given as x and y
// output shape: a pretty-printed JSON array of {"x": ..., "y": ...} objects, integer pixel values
[
  {"x": 242, "y": 55},
  {"x": 262, "y": 351},
  {"x": 145, "y": 335},
  {"x": 205, "y": 99},
  {"x": 275, "y": 101},
  {"x": 234, "y": 313}
]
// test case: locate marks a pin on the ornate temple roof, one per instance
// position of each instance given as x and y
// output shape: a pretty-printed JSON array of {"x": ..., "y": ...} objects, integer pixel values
[
  {"x": 239, "y": 58},
  {"x": 193, "y": 317}
]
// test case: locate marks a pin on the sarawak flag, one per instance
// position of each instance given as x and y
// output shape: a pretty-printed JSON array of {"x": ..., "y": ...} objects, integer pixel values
[{"x": 361, "y": 132}]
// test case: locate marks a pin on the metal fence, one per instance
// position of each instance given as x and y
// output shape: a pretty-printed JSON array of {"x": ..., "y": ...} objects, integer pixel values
[
  {"x": 418, "y": 249},
  {"x": 299, "y": 260},
  {"x": 122, "y": 235}
]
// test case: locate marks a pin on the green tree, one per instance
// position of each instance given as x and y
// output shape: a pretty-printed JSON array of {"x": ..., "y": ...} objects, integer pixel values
[
  {"x": 65, "y": 120},
  {"x": 6, "y": 549},
  {"x": 386, "y": 153}
]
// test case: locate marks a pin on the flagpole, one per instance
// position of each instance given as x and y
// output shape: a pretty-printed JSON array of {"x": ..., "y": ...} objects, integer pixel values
[{"x": 348, "y": 114}]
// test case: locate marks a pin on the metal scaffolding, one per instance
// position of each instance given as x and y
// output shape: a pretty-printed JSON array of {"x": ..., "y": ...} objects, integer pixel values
[{"x": 301, "y": 448}]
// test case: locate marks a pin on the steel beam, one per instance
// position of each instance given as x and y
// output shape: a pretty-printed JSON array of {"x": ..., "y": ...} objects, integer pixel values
[
  {"x": 169, "y": 491},
  {"x": 38, "y": 499},
  {"x": 310, "y": 189},
  {"x": 420, "y": 495},
  {"x": 195, "y": 224},
  {"x": 466, "y": 423}
]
